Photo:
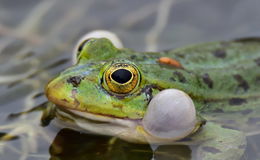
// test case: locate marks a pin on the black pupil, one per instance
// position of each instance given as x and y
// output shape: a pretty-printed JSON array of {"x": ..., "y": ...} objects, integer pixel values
[{"x": 121, "y": 76}]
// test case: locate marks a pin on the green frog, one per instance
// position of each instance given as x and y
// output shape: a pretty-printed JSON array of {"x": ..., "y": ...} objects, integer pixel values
[{"x": 114, "y": 92}]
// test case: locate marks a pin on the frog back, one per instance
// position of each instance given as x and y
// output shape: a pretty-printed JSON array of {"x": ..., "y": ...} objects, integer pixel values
[{"x": 223, "y": 79}]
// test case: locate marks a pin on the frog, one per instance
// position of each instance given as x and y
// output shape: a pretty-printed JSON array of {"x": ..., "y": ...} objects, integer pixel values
[{"x": 108, "y": 91}]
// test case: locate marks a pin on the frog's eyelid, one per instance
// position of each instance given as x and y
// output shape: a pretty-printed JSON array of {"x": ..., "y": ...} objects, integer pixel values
[
  {"x": 97, "y": 34},
  {"x": 82, "y": 44},
  {"x": 78, "y": 48},
  {"x": 104, "y": 34}
]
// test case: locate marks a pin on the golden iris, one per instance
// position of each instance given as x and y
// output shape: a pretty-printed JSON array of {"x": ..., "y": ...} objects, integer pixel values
[{"x": 121, "y": 78}]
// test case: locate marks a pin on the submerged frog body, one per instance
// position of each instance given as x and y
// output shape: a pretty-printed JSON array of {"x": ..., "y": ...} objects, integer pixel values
[{"x": 109, "y": 90}]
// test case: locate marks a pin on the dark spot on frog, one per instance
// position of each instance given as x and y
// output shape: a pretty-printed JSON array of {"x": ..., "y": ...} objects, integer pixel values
[
  {"x": 211, "y": 149},
  {"x": 237, "y": 101},
  {"x": 148, "y": 90},
  {"x": 206, "y": 102},
  {"x": 133, "y": 57},
  {"x": 257, "y": 80},
  {"x": 257, "y": 61},
  {"x": 180, "y": 76},
  {"x": 218, "y": 110},
  {"x": 64, "y": 100},
  {"x": 180, "y": 55},
  {"x": 166, "y": 51},
  {"x": 206, "y": 79},
  {"x": 144, "y": 57},
  {"x": 75, "y": 80},
  {"x": 172, "y": 79},
  {"x": 219, "y": 53},
  {"x": 246, "y": 111},
  {"x": 241, "y": 82},
  {"x": 253, "y": 120},
  {"x": 149, "y": 94}
]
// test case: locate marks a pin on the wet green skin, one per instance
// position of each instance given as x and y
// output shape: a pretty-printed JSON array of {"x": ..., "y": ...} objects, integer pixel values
[{"x": 222, "y": 78}]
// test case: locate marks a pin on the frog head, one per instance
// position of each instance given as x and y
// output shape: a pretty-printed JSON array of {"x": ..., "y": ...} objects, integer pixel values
[
  {"x": 100, "y": 84},
  {"x": 109, "y": 85}
]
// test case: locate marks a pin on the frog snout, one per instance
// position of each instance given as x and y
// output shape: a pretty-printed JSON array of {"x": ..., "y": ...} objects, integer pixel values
[{"x": 60, "y": 93}]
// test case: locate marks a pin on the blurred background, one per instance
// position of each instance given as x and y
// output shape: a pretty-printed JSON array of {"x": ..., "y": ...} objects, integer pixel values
[
  {"x": 175, "y": 22},
  {"x": 37, "y": 38}
]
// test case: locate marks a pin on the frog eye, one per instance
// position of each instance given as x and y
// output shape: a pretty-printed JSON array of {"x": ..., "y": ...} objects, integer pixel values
[{"x": 121, "y": 78}]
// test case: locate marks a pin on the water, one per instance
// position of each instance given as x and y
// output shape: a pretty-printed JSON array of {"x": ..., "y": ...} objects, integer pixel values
[{"x": 36, "y": 43}]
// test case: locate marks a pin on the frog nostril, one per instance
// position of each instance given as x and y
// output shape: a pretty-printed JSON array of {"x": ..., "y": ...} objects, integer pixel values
[{"x": 75, "y": 80}]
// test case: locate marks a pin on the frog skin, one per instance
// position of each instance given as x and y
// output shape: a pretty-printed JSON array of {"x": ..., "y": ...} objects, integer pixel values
[{"x": 222, "y": 78}]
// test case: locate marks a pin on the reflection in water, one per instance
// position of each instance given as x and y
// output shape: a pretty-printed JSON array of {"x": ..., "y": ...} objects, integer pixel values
[
  {"x": 69, "y": 144},
  {"x": 173, "y": 152}
]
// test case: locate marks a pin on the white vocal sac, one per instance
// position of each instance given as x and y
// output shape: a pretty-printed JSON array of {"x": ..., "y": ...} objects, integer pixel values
[{"x": 171, "y": 114}]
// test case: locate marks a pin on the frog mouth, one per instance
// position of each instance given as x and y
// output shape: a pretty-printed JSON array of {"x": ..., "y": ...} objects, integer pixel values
[{"x": 93, "y": 123}]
